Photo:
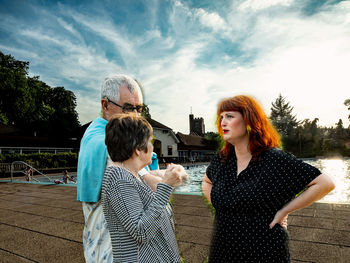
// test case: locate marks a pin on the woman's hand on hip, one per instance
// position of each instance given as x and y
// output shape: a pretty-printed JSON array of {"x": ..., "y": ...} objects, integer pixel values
[{"x": 280, "y": 218}]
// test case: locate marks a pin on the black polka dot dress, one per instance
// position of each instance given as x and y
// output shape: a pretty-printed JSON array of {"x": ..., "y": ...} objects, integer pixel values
[{"x": 246, "y": 204}]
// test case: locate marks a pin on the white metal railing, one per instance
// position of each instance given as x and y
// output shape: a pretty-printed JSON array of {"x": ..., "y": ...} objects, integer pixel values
[{"x": 22, "y": 164}]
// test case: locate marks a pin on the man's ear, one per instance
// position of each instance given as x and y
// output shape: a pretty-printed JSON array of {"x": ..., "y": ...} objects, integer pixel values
[{"x": 104, "y": 104}]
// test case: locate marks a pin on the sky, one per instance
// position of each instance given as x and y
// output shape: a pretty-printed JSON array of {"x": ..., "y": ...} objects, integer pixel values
[{"x": 189, "y": 54}]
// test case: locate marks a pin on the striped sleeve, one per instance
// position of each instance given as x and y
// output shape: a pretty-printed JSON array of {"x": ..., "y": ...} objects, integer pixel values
[{"x": 126, "y": 203}]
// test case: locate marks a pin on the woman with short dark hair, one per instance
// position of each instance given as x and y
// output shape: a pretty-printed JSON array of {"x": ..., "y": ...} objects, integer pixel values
[
  {"x": 140, "y": 221},
  {"x": 252, "y": 185}
]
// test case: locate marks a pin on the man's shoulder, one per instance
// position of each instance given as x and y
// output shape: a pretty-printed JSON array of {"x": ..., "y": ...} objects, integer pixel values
[
  {"x": 95, "y": 134},
  {"x": 97, "y": 126}
]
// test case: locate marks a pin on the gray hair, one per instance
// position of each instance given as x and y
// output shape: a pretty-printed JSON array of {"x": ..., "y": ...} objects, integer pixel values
[{"x": 111, "y": 86}]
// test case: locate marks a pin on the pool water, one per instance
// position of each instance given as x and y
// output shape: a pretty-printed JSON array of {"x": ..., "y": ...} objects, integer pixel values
[{"x": 339, "y": 169}]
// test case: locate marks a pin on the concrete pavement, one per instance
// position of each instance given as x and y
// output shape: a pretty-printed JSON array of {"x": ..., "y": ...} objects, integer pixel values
[{"x": 43, "y": 223}]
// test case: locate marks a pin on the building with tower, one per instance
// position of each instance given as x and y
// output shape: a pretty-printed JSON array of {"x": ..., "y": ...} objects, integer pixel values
[{"x": 196, "y": 125}]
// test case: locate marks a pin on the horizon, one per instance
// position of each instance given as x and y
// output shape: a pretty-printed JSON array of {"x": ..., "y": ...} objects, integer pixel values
[{"x": 189, "y": 54}]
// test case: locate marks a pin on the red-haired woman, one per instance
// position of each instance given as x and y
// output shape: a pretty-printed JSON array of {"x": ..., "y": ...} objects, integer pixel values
[{"x": 252, "y": 185}]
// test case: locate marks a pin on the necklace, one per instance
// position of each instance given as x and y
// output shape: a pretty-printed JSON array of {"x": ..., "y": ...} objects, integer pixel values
[{"x": 122, "y": 165}]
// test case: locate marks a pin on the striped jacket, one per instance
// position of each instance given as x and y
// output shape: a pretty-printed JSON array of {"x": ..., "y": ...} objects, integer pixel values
[{"x": 140, "y": 221}]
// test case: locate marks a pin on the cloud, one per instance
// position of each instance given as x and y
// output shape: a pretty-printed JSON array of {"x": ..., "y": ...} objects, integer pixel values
[
  {"x": 105, "y": 29},
  {"x": 189, "y": 56},
  {"x": 263, "y": 4},
  {"x": 211, "y": 20},
  {"x": 18, "y": 51},
  {"x": 302, "y": 58},
  {"x": 89, "y": 107},
  {"x": 61, "y": 58},
  {"x": 70, "y": 28}
]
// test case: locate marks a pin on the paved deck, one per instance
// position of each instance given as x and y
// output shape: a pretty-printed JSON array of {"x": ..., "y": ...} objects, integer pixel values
[
  {"x": 43, "y": 223},
  {"x": 319, "y": 233}
]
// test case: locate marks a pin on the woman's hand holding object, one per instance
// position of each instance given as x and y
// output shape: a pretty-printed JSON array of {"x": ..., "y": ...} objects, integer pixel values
[{"x": 175, "y": 175}]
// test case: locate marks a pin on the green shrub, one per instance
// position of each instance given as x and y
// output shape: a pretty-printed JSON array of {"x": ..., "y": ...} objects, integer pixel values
[{"x": 43, "y": 160}]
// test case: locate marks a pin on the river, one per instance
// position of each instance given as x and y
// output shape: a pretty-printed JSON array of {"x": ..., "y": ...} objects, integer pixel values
[{"x": 339, "y": 169}]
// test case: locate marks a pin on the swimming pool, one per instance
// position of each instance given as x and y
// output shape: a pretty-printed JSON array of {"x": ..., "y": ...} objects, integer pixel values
[
  {"x": 339, "y": 169},
  {"x": 41, "y": 179}
]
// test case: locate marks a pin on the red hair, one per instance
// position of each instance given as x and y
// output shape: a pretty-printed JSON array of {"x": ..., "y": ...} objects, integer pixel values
[{"x": 262, "y": 135}]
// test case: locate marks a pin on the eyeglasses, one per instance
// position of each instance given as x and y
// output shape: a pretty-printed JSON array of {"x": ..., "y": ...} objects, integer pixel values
[{"x": 127, "y": 107}]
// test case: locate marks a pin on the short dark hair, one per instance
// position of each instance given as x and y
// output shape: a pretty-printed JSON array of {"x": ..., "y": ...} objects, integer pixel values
[{"x": 125, "y": 133}]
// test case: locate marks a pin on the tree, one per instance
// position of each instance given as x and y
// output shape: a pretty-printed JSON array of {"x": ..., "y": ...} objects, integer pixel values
[
  {"x": 282, "y": 117},
  {"x": 339, "y": 130},
  {"x": 38, "y": 119},
  {"x": 15, "y": 99},
  {"x": 309, "y": 139},
  {"x": 347, "y": 104},
  {"x": 64, "y": 120},
  {"x": 339, "y": 136},
  {"x": 285, "y": 122},
  {"x": 3, "y": 118},
  {"x": 33, "y": 106},
  {"x": 145, "y": 112},
  {"x": 213, "y": 139}
]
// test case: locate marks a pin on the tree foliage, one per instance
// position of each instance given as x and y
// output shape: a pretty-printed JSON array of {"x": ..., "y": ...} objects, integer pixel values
[
  {"x": 145, "y": 112},
  {"x": 281, "y": 115},
  {"x": 15, "y": 97},
  {"x": 347, "y": 104},
  {"x": 305, "y": 138},
  {"x": 43, "y": 160},
  {"x": 31, "y": 105},
  {"x": 284, "y": 121},
  {"x": 213, "y": 139}
]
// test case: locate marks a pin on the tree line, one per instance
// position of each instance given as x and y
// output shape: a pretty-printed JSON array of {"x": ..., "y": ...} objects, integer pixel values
[
  {"x": 35, "y": 108},
  {"x": 32, "y": 106},
  {"x": 306, "y": 138}
]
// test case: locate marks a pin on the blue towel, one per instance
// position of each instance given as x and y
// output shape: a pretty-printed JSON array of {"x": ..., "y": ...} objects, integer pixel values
[
  {"x": 92, "y": 162},
  {"x": 154, "y": 165}
]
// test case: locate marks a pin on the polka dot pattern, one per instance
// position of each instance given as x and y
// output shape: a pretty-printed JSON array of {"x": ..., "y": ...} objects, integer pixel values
[{"x": 247, "y": 203}]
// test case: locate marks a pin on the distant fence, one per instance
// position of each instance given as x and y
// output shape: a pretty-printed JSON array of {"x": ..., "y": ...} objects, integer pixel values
[{"x": 6, "y": 167}]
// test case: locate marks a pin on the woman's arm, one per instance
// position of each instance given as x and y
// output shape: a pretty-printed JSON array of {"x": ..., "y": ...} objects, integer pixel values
[
  {"x": 206, "y": 187},
  {"x": 126, "y": 203},
  {"x": 317, "y": 189},
  {"x": 152, "y": 178}
]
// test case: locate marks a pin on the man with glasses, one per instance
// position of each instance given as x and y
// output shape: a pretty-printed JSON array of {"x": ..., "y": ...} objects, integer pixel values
[
  {"x": 119, "y": 93},
  {"x": 127, "y": 107}
]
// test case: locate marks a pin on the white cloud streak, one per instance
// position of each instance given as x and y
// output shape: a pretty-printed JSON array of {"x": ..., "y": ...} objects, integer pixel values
[
  {"x": 106, "y": 30},
  {"x": 211, "y": 20},
  {"x": 263, "y": 4}
]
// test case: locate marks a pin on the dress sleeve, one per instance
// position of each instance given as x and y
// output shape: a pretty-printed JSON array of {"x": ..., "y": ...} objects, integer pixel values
[
  {"x": 297, "y": 173},
  {"x": 125, "y": 201}
]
